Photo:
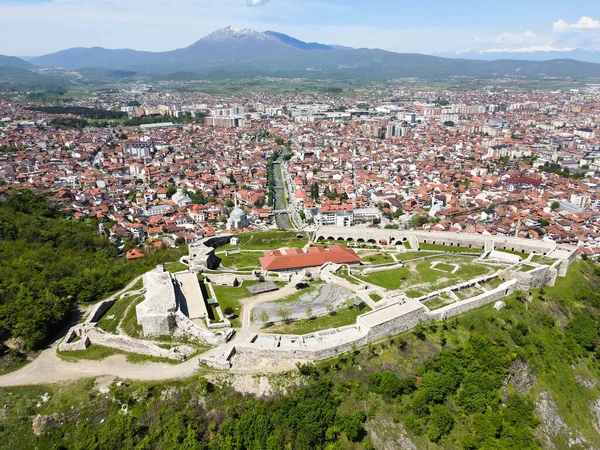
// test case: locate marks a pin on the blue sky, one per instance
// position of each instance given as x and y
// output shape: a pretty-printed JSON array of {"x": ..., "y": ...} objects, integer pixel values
[{"x": 35, "y": 27}]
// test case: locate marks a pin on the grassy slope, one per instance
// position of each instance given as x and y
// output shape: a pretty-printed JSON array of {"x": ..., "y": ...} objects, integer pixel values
[{"x": 268, "y": 240}]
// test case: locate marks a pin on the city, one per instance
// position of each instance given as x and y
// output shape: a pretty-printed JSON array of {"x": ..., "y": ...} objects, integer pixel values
[
  {"x": 488, "y": 162},
  {"x": 377, "y": 227}
]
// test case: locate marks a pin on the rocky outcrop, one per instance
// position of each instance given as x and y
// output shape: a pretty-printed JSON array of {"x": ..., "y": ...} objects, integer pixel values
[
  {"x": 595, "y": 408},
  {"x": 386, "y": 435},
  {"x": 41, "y": 422},
  {"x": 520, "y": 377},
  {"x": 551, "y": 424}
]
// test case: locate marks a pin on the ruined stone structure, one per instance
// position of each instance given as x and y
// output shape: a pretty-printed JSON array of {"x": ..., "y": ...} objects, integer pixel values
[
  {"x": 566, "y": 254},
  {"x": 155, "y": 313},
  {"x": 398, "y": 314},
  {"x": 159, "y": 314},
  {"x": 202, "y": 253},
  {"x": 82, "y": 336}
]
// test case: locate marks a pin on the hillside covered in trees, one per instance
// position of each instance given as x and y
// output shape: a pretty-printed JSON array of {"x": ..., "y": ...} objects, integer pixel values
[
  {"x": 49, "y": 262},
  {"x": 525, "y": 377}
]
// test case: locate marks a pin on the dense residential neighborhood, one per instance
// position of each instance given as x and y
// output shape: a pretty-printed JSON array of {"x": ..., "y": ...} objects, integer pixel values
[{"x": 515, "y": 163}]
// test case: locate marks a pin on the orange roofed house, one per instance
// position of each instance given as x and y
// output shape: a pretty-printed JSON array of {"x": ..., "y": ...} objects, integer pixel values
[
  {"x": 296, "y": 258},
  {"x": 134, "y": 254}
]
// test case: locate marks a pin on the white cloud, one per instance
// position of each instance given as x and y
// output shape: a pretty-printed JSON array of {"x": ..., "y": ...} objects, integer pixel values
[
  {"x": 532, "y": 49},
  {"x": 508, "y": 38},
  {"x": 583, "y": 34},
  {"x": 585, "y": 23},
  {"x": 257, "y": 2}
]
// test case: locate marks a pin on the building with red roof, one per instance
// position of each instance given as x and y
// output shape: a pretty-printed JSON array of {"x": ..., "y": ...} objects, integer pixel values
[
  {"x": 134, "y": 254},
  {"x": 297, "y": 258}
]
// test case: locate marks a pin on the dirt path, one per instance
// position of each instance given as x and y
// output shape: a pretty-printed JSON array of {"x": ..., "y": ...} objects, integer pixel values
[{"x": 49, "y": 368}]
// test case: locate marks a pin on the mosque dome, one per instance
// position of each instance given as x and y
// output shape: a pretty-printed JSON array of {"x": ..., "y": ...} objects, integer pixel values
[{"x": 237, "y": 213}]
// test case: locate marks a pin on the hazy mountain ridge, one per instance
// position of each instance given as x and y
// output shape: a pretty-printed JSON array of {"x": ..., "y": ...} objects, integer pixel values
[
  {"x": 15, "y": 63},
  {"x": 234, "y": 51},
  {"x": 591, "y": 56}
]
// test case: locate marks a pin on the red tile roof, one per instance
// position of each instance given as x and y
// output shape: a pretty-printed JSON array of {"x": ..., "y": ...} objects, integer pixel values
[
  {"x": 313, "y": 257},
  {"x": 134, "y": 254}
]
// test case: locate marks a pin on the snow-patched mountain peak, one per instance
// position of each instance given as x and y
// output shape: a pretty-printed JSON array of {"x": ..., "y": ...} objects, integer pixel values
[{"x": 234, "y": 32}]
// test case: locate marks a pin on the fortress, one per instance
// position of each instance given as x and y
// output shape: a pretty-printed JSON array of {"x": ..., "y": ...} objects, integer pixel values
[
  {"x": 398, "y": 313},
  {"x": 564, "y": 253},
  {"x": 173, "y": 302}
]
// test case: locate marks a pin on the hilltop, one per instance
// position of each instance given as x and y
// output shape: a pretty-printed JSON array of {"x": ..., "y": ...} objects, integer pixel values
[{"x": 234, "y": 51}]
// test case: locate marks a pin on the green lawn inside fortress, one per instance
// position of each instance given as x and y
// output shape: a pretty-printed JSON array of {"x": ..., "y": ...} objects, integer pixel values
[
  {"x": 268, "y": 240},
  {"x": 420, "y": 273}
]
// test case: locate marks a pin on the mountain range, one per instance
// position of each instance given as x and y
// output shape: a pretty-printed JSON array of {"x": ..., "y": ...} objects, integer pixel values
[
  {"x": 592, "y": 56},
  {"x": 231, "y": 52}
]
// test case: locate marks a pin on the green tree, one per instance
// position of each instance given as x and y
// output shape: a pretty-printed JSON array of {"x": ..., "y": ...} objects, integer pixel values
[
  {"x": 309, "y": 312},
  {"x": 171, "y": 190},
  {"x": 284, "y": 314},
  {"x": 418, "y": 221},
  {"x": 314, "y": 191},
  {"x": 440, "y": 423},
  {"x": 264, "y": 317}
]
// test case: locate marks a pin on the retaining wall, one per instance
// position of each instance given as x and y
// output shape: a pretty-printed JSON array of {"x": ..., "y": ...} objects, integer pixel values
[
  {"x": 537, "y": 278},
  {"x": 455, "y": 309},
  {"x": 380, "y": 269},
  {"x": 99, "y": 310},
  {"x": 189, "y": 327}
]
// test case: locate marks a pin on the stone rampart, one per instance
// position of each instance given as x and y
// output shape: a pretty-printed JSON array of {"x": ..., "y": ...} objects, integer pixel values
[
  {"x": 99, "y": 310},
  {"x": 130, "y": 345},
  {"x": 82, "y": 336},
  {"x": 202, "y": 253},
  {"x": 536, "y": 278},
  {"x": 301, "y": 353},
  {"x": 461, "y": 307},
  {"x": 395, "y": 325},
  {"x": 468, "y": 240},
  {"x": 74, "y": 342},
  {"x": 202, "y": 334},
  {"x": 380, "y": 269}
]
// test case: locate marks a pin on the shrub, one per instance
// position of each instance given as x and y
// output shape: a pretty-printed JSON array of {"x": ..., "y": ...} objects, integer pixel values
[
  {"x": 351, "y": 425},
  {"x": 390, "y": 385},
  {"x": 584, "y": 330}
]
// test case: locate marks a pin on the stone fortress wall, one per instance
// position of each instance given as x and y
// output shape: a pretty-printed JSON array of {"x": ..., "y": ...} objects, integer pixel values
[
  {"x": 83, "y": 335},
  {"x": 159, "y": 314},
  {"x": 394, "y": 316},
  {"x": 99, "y": 310},
  {"x": 403, "y": 314},
  {"x": 371, "y": 327}
]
